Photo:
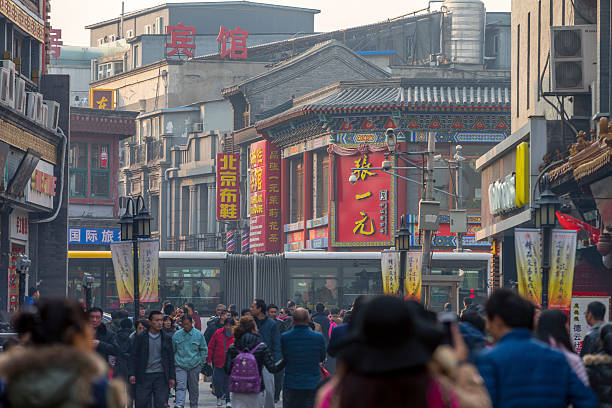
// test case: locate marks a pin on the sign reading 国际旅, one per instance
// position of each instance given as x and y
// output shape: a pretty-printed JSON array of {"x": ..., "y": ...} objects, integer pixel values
[{"x": 93, "y": 236}]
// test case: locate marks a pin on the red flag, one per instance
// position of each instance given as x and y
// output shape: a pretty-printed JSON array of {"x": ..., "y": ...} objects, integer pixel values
[{"x": 570, "y": 223}]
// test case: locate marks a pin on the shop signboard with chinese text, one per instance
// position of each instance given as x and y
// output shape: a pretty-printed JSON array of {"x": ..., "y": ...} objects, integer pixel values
[
  {"x": 93, "y": 236},
  {"x": 237, "y": 48},
  {"x": 364, "y": 212},
  {"x": 123, "y": 265},
  {"x": 103, "y": 99},
  {"x": 19, "y": 225},
  {"x": 42, "y": 186},
  {"x": 148, "y": 270},
  {"x": 228, "y": 187},
  {"x": 182, "y": 41},
  {"x": 265, "y": 198},
  {"x": 578, "y": 324}
]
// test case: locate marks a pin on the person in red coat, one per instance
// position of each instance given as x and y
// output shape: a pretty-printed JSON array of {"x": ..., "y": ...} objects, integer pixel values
[{"x": 221, "y": 340}]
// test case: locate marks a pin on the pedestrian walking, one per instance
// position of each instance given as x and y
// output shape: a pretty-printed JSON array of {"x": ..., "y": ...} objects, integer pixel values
[
  {"x": 472, "y": 329},
  {"x": 553, "y": 329},
  {"x": 244, "y": 364},
  {"x": 191, "y": 311},
  {"x": 521, "y": 371},
  {"x": 215, "y": 322},
  {"x": 282, "y": 328},
  {"x": 303, "y": 351},
  {"x": 59, "y": 367},
  {"x": 270, "y": 334},
  {"x": 217, "y": 349},
  {"x": 33, "y": 296},
  {"x": 595, "y": 314},
  {"x": 599, "y": 368},
  {"x": 152, "y": 364},
  {"x": 168, "y": 325},
  {"x": 123, "y": 349},
  {"x": 105, "y": 341},
  {"x": 190, "y": 352},
  {"x": 384, "y": 362},
  {"x": 323, "y": 320},
  {"x": 117, "y": 317}
]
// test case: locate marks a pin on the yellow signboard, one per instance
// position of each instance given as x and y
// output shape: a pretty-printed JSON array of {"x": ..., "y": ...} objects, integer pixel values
[{"x": 522, "y": 175}]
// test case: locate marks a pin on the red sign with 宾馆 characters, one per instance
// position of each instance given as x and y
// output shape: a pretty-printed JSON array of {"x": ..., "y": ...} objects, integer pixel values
[
  {"x": 364, "y": 212},
  {"x": 265, "y": 201},
  {"x": 228, "y": 187}
]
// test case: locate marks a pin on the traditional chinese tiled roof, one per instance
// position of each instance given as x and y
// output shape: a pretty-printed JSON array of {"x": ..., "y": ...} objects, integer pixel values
[{"x": 397, "y": 94}]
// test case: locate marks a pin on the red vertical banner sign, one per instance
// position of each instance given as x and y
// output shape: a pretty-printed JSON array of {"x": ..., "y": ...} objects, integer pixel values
[
  {"x": 228, "y": 187},
  {"x": 363, "y": 212},
  {"x": 265, "y": 201}
]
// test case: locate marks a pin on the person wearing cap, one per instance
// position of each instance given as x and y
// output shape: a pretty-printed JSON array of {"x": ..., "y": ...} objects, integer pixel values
[
  {"x": 385, "y": 360},
  {"x": 521, "y": 371},
  {"x": 303, "y": 350}
]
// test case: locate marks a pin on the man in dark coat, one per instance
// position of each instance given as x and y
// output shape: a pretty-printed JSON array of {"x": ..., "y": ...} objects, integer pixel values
[
  {"x": 303, "y": 350},
  {"x": 105, "y": 342},
  {"x": 152, "y": 364},
  {"x": 215, "y": 322},
  {"x": 321, "y": 318},
  {"x": 596, "y": 311}
]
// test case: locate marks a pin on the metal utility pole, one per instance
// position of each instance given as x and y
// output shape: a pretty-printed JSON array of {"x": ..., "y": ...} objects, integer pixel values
[{"x": 429, "y": 185}]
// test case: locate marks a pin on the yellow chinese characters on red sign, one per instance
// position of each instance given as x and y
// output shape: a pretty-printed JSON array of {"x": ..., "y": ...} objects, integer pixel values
[{"x": 228, "y": 187}]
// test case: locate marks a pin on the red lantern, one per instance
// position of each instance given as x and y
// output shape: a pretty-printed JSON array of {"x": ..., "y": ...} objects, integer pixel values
[{"x": 104, "y": 159}]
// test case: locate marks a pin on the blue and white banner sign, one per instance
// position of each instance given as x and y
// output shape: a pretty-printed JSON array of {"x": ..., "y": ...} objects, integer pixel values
[{"x": 93, "y": 236}]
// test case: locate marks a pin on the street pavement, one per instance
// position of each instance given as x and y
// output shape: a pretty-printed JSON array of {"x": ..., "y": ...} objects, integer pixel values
[{"x": 206, "y": 400}]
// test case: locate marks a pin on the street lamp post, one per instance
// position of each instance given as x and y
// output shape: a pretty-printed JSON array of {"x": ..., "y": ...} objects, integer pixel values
[
  {"x": 135, "y": 223},
  {"x": 402, "y": 244},
  {"x": 545, "y": 219}
]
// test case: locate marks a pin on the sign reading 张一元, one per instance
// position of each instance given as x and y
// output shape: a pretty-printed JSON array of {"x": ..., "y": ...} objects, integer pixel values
[
  {"x": 93, "y": 236},
  {"x": 363, "y": 211}
]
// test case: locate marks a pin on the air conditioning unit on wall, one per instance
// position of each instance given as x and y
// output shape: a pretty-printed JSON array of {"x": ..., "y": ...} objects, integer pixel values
[
  {"x": 573, "y": 59},
  {"x": 20, "y": 96}
]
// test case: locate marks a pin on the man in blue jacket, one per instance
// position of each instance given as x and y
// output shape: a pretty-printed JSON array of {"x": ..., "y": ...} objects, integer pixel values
[
  {"x": 303, "y": 350},
  {"x": 520, "y": 371},
  {"x": 270, "y": 334}
]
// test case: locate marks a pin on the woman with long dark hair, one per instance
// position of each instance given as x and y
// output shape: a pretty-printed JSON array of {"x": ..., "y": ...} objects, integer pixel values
[
  {"x": 58, "y": 368},
  {"x": 386, "y": 360},
  {"x": 599, "y": 368},
  {"x": 246, "y": 340},
  {"x": 553, "y": 329}
]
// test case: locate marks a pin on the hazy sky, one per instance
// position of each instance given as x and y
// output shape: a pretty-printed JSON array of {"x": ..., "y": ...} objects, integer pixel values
[{"x": 71, "y": 16}]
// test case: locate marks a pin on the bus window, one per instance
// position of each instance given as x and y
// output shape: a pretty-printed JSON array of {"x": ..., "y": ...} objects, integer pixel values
[
  {"x": 197, "y": 285},
  {"x": 309, "y": 286},
  {"x": 75, "y": 281},
  {"x": 360, "y": 279}
]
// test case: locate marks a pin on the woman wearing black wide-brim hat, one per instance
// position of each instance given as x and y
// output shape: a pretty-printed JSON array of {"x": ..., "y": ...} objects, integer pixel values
[{"x": 388, "y": 359}]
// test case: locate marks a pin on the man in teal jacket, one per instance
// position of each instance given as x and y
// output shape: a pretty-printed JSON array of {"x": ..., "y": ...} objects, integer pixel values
[{"x": 190, "y": 352}]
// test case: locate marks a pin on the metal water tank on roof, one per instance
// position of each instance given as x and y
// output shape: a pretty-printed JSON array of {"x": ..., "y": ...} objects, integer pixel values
[{"x": 464, "y": 39}]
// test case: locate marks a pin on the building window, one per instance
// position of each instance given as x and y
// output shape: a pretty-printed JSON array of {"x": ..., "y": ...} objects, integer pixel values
[
  {"x": 77, "y": 163},
  {"x": 322, "y": 187},
  {"x": 297, "y": 190},
  {"x": 135, "y": 56},
  {"x": 100, "y": 172}
]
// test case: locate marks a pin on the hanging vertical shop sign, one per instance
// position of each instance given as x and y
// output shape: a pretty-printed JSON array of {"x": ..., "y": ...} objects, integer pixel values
[
  {"x": 228, "y": 187},
  {"x": 561, "y": 274},
  {"x": 413, "y": 276},
  {"x": 527, "y": 247},
  {"x": 148, "y": 270},
  {"x": 265, "y": 199},
  {"x": 390, "y": 261},
  {"x": 123, "y": 264},
  {"x": 362, "y": 212}
]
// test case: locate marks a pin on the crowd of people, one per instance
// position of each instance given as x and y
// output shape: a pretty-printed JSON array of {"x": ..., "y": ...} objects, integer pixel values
[{"x": 381, "y": 352}]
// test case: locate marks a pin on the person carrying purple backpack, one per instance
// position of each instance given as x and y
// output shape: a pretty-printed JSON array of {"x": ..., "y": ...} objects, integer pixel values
[{"x": 244, "y": 362}]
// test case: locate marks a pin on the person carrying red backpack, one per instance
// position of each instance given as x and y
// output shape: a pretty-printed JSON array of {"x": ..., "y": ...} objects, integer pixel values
[{"x": 220, "y": 342}]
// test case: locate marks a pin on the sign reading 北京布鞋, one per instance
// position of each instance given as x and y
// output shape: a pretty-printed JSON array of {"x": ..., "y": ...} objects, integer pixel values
[
  {"x": 228, "y": 187},
  {"x": 363, "y": 213},
  {"x": 93, "y": 236},
  {"x": 265, "y": 198}
]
